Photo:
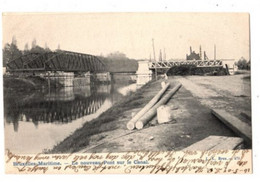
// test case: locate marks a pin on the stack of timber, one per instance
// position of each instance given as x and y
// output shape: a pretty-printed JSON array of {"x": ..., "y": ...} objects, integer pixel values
[
  {"x": 155, "y": 99},
  {"x": 152, "y": 112}
]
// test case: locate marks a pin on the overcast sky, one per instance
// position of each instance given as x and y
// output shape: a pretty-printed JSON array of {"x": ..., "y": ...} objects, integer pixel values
[{"x": 132, "y": 33}]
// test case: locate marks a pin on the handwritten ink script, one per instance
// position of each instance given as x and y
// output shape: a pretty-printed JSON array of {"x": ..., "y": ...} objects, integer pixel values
[{"x": 212, "y": 162}]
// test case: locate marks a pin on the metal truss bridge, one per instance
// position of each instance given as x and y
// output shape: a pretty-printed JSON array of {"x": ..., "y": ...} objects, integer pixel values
[
  {"x": 57, "y": 61},
  {"x": 198, "y": 63}
]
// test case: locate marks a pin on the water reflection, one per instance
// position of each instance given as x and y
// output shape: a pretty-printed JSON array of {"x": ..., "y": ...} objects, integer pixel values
[
  {"x": 127, "y": 90},
  {"x": 39, "y": 120},
  {"x": 57, "y": 106}
]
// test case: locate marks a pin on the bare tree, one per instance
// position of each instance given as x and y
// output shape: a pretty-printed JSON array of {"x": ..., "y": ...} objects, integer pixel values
[
  {"x": 26, "y": 47},
  {"x": 14, "y": 41},
  {"x": 34, "y": 43}
]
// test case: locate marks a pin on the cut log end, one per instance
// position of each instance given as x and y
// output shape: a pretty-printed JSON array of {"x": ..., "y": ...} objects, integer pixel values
[
  {"x": 156, "y": 98},
  {"x": 130, "y": 125},
  {"x": 139, "y": 125}
]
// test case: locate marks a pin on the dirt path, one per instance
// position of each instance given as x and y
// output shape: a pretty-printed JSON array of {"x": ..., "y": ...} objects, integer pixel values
[
  {"x": 232, "y": 93},
  {"x": 192, "y": 122}
]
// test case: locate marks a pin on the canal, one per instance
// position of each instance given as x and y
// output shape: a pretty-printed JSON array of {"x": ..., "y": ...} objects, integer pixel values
[{"x": 35, "y": 122}]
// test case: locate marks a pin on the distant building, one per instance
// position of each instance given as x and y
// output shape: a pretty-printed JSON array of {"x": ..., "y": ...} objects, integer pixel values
[{"x": 193, "y": 55}]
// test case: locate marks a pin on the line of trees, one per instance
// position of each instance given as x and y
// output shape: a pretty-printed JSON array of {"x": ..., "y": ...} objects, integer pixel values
[
  {"x": 115, "y": 62},
  {"x": 11, "y": 51},
  {"x": 243, "y": 64},
  {"x": 118, "y": 62}
]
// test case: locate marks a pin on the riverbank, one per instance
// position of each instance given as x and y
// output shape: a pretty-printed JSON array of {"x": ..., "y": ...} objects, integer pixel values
[
  {"x": 28, "y": 83},
  {"x": 192, "y": 122},
  {"x": 108, "y": 121}
]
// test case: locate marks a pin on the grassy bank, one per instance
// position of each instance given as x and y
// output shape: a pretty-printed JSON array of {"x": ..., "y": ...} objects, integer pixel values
[{"x": 107, "y": 121}]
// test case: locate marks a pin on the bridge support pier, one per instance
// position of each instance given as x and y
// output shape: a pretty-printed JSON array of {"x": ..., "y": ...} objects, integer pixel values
[
  {"x": 67, "y": 79},
  {"x": 83, "y": 80},
  {"x": 103, "y": 77},
  {"x": 63, "y": 78},
  {"x": 144, "y": 75}
]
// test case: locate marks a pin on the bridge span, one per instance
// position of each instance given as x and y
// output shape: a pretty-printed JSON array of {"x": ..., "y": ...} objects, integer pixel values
[
  {"x": 164, "y": 66},
  {"x": 198, "y": 63},
  {"x": 57, "y": 61}
]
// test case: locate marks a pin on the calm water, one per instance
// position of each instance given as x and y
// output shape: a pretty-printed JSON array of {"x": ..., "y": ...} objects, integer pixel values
[{"x": 37, "y": 121}]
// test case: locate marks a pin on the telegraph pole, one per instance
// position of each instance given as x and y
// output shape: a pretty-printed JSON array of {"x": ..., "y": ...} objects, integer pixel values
[
  {"x": 214, "y": 52},
  {"x": 164, "y": 54},
  {"x": 154, "y": 61},
  {"x": 160, "y": 56}
]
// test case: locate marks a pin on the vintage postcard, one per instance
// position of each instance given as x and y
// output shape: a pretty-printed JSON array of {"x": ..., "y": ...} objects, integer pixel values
[{"x": 128, "y": 93}]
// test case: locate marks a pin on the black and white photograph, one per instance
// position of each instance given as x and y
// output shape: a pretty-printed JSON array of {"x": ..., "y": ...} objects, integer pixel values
[{"x": 126, "y": 82}]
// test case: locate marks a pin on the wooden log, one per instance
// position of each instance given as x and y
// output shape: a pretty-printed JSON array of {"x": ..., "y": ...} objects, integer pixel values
[
  {"x": 131, "y": 123},
  {"x": 152, "y": 112},
  {"x": 216, "y": 143},
  {"x": 235, "y": 124}
]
